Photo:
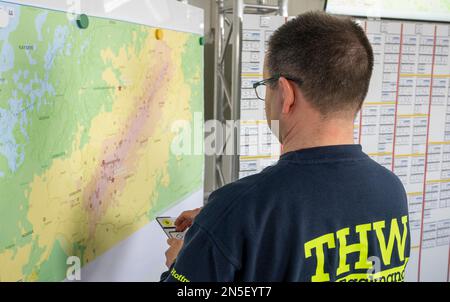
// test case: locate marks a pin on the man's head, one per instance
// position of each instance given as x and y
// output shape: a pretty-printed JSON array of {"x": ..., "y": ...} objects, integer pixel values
[{"x": 325, "y": 64}]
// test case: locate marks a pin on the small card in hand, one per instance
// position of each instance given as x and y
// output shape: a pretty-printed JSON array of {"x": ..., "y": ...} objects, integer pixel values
[{"x": 168, "y": 226}]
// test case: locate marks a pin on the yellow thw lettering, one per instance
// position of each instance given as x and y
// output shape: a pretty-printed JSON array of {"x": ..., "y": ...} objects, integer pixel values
[
  {"x": 394, "y": 235},
  {"x": 362, "y": 248},
  {"x": 318, "y": 244}
]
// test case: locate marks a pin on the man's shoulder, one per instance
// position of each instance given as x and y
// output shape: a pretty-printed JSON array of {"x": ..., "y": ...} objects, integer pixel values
[
  {"x": 385, "y": 175},
  {"x": 248, "y": 184},
  {"x": 240, "y": 196}
]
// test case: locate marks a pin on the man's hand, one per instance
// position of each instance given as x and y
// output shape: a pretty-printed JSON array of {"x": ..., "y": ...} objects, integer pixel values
[
  {"x": 186, "y": 219},
  {"x": 173, "y": 251}
]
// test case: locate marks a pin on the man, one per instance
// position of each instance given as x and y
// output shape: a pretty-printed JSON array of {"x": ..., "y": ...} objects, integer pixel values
[{"x": 326, "y": 211}]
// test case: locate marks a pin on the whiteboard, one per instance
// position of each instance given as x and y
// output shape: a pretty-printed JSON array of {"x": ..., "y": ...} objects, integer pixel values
[
  {"x": 427, "y": 10},
  {"x": 259, "y": 148},
  {"x": 140, "y": 257},
  {"x": 404, "y": 127}
]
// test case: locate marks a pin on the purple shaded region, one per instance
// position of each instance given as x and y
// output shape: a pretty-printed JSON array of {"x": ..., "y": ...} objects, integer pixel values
[{"x": 110, "y": 177}]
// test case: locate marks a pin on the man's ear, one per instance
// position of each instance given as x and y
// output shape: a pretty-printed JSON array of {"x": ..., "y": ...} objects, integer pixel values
[{"x": 287, "y": 95}]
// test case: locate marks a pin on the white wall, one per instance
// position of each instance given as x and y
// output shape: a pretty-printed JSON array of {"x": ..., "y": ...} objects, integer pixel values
[{"x": 297, "y": 7}]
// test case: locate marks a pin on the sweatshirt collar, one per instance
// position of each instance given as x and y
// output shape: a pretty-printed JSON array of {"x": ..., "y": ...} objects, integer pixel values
[{"x": 326, "y": 153}]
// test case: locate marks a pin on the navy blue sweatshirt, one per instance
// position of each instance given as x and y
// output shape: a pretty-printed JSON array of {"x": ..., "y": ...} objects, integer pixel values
[{"x": 320, "y": 214}]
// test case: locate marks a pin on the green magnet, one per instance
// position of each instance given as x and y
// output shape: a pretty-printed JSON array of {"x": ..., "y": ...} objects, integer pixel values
[
  {"x": 202, "y": 41},
  {"x": 83, "y": 21}
]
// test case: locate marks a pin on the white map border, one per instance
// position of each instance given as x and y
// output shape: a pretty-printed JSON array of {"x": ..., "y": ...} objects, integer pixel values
[{"x": 168, "y": 14}]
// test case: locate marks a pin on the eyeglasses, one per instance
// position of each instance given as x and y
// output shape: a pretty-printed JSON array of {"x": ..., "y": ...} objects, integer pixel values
[{"x": 260, "y": 87}]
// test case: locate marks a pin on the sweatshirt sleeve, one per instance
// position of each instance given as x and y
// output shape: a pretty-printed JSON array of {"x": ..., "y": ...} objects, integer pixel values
[{"x": 201, "y": 260}]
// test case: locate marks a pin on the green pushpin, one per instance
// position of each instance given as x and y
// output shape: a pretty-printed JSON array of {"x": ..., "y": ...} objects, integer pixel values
[
  {"x": 202, "y": 41},
  {"x": 83, "y": 21}
]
